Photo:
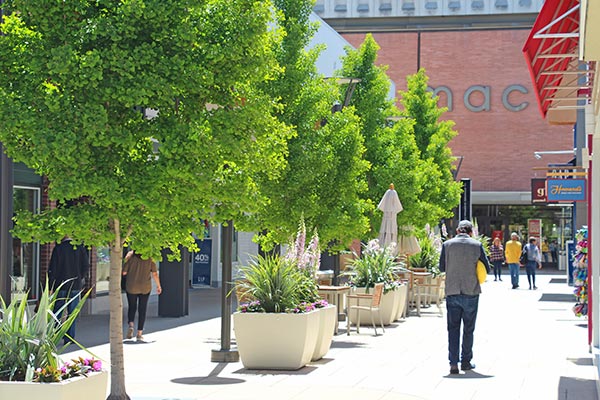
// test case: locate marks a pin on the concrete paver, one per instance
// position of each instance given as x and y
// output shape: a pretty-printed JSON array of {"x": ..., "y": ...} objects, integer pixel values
[{"x": 524, "y": 349}]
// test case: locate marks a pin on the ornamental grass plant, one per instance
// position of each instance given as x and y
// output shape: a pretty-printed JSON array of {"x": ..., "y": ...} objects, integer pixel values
[
  {"x": 375, "y": 265},
  {"x": 30, "y": 342},
  {"x": 274, "y": 282}
]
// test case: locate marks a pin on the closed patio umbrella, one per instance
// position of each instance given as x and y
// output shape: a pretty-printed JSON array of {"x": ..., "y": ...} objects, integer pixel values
[
  {"x": 391, "y": 206},
  {"x": 408, "y": 245}
]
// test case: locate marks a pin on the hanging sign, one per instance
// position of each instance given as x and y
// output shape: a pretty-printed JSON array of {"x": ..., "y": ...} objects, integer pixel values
[
  {"x": 538, "y": 191},
  {"x": 565, "y": 189},
  {"x": 201, "y": 263},
  {"x": 534, "y": 228}
]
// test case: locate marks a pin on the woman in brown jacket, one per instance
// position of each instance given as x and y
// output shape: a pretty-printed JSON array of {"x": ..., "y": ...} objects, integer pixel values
[{"x": 138, "y": 287}]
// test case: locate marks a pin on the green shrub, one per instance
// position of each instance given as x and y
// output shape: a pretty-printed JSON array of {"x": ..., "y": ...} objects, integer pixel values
[{"x": 32, "y": 340}]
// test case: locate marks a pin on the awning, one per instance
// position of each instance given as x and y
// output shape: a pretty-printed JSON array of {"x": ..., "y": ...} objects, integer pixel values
[{"x": 560, "y": 79}]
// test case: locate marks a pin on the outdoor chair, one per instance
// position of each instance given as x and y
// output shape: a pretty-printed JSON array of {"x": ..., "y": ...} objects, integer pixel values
[
  {"x": 428, "y": 290},
  {"x": 374, "y": 300}
]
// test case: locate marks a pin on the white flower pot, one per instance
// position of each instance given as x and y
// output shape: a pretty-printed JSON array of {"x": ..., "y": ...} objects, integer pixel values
[
  {"x": 402, "y": 297},
  {"x": 92, "y": 387},
  {"x": 327, "y": 321},
  {"x": 276, "y": 340},
  {"x": 388, "y": 308}
]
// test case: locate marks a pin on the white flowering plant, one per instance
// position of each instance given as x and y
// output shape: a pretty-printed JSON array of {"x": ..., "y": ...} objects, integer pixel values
[{"x": 376, "y": 264}]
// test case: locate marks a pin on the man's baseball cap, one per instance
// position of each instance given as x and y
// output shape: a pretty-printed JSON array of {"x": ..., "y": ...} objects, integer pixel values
[{"x": 465, "y": 225}]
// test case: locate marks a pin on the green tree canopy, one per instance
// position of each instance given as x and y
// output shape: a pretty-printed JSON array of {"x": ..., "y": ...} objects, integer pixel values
[
  {"x": 390, "y": 143},
  {"x": 441, "y": 192},
  {"x": 324, "y": 175},
  {"x": 76, "y": 81}
]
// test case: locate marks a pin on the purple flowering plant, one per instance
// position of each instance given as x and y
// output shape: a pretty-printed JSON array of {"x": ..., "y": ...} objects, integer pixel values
[
  {"x": 304, "y": 307},
  {"x": 251, "y": 307},
  {"x": 77, "y": 367},
  {"x": 320, "y": 303}
]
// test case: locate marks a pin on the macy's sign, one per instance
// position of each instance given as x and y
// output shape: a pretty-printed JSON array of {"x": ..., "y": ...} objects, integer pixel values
[{"x": 483, "y": 94}]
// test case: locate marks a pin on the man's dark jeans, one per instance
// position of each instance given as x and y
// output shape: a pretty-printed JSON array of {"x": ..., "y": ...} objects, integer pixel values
[
  {"x": 461, "y": 309},
  {"x": 61, "y": 298}
]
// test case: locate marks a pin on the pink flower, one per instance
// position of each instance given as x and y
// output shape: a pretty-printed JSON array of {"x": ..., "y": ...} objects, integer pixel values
[{"x": 97, "y": 365}]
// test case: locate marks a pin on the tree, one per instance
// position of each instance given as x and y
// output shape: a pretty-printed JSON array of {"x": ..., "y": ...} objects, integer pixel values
[
  {"x": 391, "y": 148},
  {"x": 323, "y": 178},
  {"x": 441, "y": 192},
  {"x": 77, "y": 79}
]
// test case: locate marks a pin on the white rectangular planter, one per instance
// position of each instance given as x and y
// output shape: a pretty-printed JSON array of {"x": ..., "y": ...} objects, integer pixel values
[
  {"x": 276, "y": 340},
  {"x": 402, "y": 300},
  {"x": 327, "y": 321},
  {"x": 92, "y": 387}
]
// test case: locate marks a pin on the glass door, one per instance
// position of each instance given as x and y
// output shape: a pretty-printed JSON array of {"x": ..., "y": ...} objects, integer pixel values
[{"x": 26, "y": 256}]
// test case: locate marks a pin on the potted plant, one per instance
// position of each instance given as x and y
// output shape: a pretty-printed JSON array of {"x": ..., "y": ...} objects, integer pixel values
[
  {"x": 375, "y": 265},
  {"x": 30, "y": 367},
  {"x": 276, "y": 330},
  {"x": 428, "y": 258}
]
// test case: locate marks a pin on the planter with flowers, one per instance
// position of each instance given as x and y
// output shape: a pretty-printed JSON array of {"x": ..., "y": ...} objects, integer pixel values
[
  {"x": 276, "y": 330},
  {"x": 30, "y": 367},
  {"x": 375, "y": 265},
  {"x": 286, "y": 325}
]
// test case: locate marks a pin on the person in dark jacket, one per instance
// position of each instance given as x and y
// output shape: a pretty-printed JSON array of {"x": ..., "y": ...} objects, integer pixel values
[
  {"x": 458, "y": 259},
  {"x": 68, "y": 267}
]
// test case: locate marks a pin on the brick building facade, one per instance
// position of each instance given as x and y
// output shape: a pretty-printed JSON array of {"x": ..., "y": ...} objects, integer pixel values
[{"x": 497, "y": 144}]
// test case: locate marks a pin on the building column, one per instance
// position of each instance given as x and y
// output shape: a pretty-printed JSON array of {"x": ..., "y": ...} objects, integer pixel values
[{"x": 6, "y": 214}]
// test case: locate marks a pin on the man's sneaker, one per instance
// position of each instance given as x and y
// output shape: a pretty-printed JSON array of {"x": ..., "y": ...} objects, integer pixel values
[
  {"x": 130, "y": 333},
  {"x": 467, "y": 366},
  {"x": 454, "y": 370}
]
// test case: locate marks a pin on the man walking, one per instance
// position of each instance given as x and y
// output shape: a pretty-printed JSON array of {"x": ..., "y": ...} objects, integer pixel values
[
  {"x": 68, "y": 266},
  {"x": 512, "y": 251},
  {"x": 533, "y": 260},
  {"x": 458, "y": 260}
]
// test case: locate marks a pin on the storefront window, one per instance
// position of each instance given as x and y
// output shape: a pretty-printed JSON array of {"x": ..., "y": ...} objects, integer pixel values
[
  {"x": 102, "y": 269},
  {"x": 24, "y": 275}
]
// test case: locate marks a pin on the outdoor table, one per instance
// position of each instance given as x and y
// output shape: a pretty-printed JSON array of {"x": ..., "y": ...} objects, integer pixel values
[{"x": 335, "y": 295}]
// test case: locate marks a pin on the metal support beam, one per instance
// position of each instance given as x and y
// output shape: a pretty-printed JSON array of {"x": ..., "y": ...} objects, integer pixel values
[
  {"x": 225, "y": 354},
  {"x": 6, "y": 214}
]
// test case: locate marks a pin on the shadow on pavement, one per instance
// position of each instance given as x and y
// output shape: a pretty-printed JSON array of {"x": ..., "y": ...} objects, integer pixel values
[
  {"x": 469, "y": 375},
  {"x": 302, "y": 371},
  {"x": 346, "y": 345},
  {"x": 213, "y": 378},
  {"x": 575, "y": 388},
  {"x": 204, "y": 304}
]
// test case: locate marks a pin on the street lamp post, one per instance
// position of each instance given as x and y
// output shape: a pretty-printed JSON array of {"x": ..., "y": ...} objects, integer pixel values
[{"x": 226, "y": 354}]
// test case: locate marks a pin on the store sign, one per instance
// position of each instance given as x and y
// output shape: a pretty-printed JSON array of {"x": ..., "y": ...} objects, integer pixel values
[
  {"x": 484, "y": 93},
  {"x": 534, "y": 228},
  {"x": 538, "y": 191},
  {"x": 201, "y": 263},
  {"x": 565, "y": 189}
]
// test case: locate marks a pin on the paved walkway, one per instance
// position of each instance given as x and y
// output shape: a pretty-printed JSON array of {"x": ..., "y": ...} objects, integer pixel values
[{"x": 528, "y": 345}]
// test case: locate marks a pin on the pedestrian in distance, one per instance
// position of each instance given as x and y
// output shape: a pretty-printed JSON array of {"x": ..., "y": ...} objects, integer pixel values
[
  {"x": 512, "y": 252},
  {"x": 139, "y": 274},
  {"x": 458, "y": 259},
  {"x": 497, "y": 258},
  {"x": 545, "y": 250},
  {"x": 69, "y": 265},
  {"x": 533, "y": 260},
  {"x": 553, "y": 251}
]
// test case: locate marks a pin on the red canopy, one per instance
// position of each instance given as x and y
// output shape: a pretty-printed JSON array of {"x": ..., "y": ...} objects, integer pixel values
[{"x": 552, "y": 54}]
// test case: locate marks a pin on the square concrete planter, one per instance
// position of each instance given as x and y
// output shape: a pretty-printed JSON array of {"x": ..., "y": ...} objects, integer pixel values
[
  {"x": 276, "y": 340},
  {"x": 388, "y": 308},
  {"x": 91, "y": 387},
  {"x": 327, "y": 321},
  {"x": 402, "y": 300}
]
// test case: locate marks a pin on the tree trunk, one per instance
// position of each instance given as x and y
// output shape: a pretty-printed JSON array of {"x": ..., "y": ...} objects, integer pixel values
[{"x": 117, "y": 365}]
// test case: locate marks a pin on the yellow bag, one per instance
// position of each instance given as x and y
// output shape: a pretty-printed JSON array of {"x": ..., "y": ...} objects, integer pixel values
[{"x": 481, "y": 272}]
